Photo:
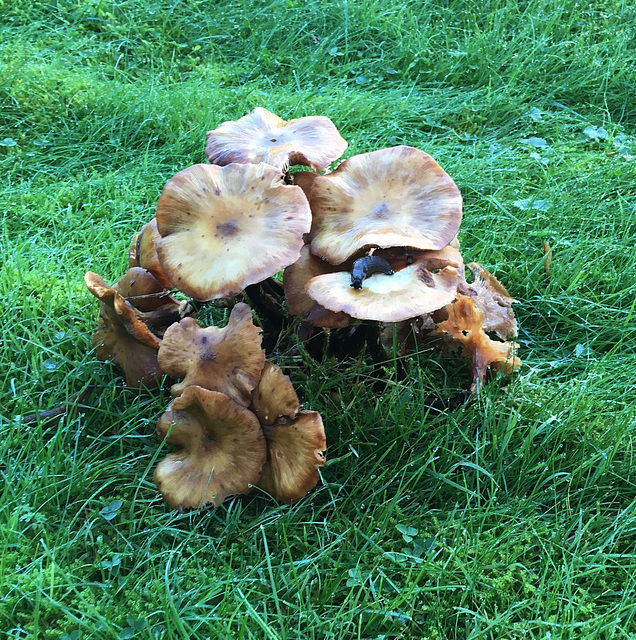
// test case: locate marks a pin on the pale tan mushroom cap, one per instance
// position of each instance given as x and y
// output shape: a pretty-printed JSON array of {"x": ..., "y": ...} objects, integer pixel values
[
  {"x": 397, "y": 197},
  {"x": 224, "y": 228},
  {"x": 262, "y": 136},
  {"x": 275, "y": 396},
  {"x": 221, "y": 449},
  {"x": 228, "y": 360},
  {"x": 294, "y": 453},
  {"x": 413, "y": 291}
]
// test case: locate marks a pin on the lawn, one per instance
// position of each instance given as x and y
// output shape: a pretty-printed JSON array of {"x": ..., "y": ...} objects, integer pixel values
[{"x": 511, "y": 516}]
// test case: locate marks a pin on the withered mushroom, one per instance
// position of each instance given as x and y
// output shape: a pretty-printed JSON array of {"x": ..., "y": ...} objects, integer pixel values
[
  {"x": 122, "y": 337},
  {"x": 262, "y": 136},
  {"x": 397, "y": 197},
  {"x": 465, "y": 325},
  {"x": 228, "y": 360},
  {"x": 220, "y": 449},
  {"x": 224, "y": 228}
]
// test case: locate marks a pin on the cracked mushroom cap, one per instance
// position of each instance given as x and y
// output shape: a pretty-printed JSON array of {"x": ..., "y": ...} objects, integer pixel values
[
  {"x": 122, "y": 337},
  {"x": 143, "y": 253},
  {"x": 262, "y": 136},
  {"x": 228, "y": 360},
  {"x": 224, "y": 228},
  {"x": 295, "y": 452},
  {"x": 397, "y": 197},
  {"x": 465, "y": 325},
  {"x": 410, "y": 292},
  {"x": 220, "y": 449}
]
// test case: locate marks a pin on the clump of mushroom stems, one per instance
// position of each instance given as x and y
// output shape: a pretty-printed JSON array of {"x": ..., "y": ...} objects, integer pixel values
[{"x": 367, "y": 250}]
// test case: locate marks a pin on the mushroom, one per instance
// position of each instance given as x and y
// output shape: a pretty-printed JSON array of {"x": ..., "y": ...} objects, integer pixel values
[
  {"x": 465, "y": 325},
  {"x": 397, "y": 197},
  {"x": 122, "y": 337},
  {"x": 220, "y": 449},
  {"x": 295, "y": 279},
  {"x": 274, "y": 397},
  {"x": 143, "y": 253},
  {"x": 493, "y": 299},
  {"x": 228, "y": 360},
  {"x": 411, "y": 291},
  {"x": 224, "y": 228},
  {"x": 262, "y": 136},
  {"x": 295, "y": 452}
]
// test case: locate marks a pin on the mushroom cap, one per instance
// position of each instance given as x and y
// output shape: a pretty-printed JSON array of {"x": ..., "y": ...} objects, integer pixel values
[
  {"x": 274, "y": 397},
  {"x": 465, "y": 324},
  {"x": 229, "y": 360},
  {"x": 122, "y": 337},
  {"x": 412, "y": 291},
  {"x": 262, "y": 136},
  {"x": 224, "y": 228},
  {"x": 294, "y": 454},
  {"x": 221, "y": 449},
  {"x": 400, "y": 257},
  {"x": 493, "y": 299},
  {"x": 143, "y": 253},
  {"x": 397, "y": 197}
]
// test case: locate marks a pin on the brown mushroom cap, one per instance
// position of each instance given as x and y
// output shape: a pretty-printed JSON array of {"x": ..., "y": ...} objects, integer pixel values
[
  {"x": 122, "y": 337},
  {"x": 229, "y": 360},
  {"x": 397, "y": 197},
  {"x": 224, "y": 228},
  {"x": 143, "y": 253},
  {"x": 274, "y": 397},
  {"x": 493, "y": 299},
  {"x": 465, "y": 325},
  {"x": 262, "y": 136},
  {"x": 294, "y": 454},
  {"x": 410, "y": 292},
  {"x": 221, "y": 449}
]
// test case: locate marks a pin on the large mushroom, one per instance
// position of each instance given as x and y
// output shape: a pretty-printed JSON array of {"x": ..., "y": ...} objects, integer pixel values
[
  {"x": 228, "y": 360},
  {"x": 397, "y": 197},
  {"x": 220, "y": 449},
  {"x": 224, "y": 228},
  {"x": 262, "y": 136}
]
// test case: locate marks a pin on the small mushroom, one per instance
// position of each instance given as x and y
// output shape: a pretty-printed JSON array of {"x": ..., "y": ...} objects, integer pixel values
[
  {"x": 262, "y": 136},
  {"x": 465, "y": 325},
  {"x": 143, "y": 253},
  {"x": 122, "y": 337},
  {"x": 228, "y": 360},
  {"x": 412, "y": 291},
  {"x": 224, "y": 228},
  {"x": 274, "y": 397},
  {"x": 220, "y": 449},
  {"x": 397, "y": 197},
  {"x": 295, "y": 452}
]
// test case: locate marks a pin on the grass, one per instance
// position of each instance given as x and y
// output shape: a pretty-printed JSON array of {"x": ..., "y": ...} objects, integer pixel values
[{"x": 512, "y": 517}]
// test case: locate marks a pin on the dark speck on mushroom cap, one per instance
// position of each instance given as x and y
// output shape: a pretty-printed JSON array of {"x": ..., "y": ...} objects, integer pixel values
[{"x": 227, "y": 229}]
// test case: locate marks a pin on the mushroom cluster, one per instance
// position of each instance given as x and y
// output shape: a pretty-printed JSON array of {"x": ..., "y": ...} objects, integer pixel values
[{"x": 371, "y": 244}]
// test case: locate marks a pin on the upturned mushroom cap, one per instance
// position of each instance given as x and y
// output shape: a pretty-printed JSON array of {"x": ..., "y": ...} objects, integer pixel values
[
  {"x": 295, "y": 279},
  {"x": 397, "y": 197},
  {"x": 465, "y": 325},
  {"x": 228, "y": 360},
  {"x": 275, "y": 396},
  {"x": 122, "y": 337},
  {"x": 262, "y": 136},
  {"x": 294, "y": 454},
  {"x": 492, "y": 298},
  {"x": 142, "y": 253},
  {"x": 224, "y": 228},
  {"x": 400, "y": 257},
  {"x": 410, "y": 292},
  {"x": 220, "y": 449}
]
